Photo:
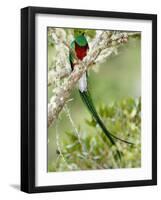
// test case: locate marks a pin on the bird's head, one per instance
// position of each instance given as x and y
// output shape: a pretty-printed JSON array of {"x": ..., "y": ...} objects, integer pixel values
[
  {"x": 79, "y": 32},
  {"x": 80, "y": 38}
]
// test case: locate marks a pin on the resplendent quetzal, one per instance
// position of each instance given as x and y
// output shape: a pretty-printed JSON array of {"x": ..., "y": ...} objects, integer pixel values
[{"x": 79, "y": 48}]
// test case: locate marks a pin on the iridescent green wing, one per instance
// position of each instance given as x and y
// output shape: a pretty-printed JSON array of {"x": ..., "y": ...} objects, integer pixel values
[{"x": 71, "y": 53}]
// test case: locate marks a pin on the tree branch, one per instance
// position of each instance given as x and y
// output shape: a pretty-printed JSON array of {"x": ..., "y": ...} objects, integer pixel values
[{"x": 53, "y": 76}]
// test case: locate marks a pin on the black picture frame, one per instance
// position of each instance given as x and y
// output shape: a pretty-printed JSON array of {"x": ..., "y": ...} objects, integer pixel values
[{"x": 28, "y": 98}]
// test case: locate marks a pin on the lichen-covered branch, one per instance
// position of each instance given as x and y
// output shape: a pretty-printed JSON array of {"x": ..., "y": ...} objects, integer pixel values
[
  {"x": 53, "y": 75},
  {"x": 107, "y": 40}
]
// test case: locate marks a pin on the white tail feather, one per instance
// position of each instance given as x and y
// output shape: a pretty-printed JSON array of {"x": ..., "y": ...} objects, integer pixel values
[{"x": 83, "y": 83}]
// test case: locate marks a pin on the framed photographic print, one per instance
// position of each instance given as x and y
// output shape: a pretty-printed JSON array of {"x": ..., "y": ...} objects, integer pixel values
[{"x": 88, "y": 99}]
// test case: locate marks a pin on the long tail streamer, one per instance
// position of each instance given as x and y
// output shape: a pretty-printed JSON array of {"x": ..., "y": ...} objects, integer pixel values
[{"x": 86, "y": 97}]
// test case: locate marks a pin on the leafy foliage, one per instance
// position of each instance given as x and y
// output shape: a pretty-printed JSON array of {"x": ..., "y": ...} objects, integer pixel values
[
  {"x": 92, "y": 150},
  {"x": 50, "y": 41}
]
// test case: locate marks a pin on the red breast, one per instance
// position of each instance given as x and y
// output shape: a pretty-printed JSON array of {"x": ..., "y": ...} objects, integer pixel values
[{"x": 81, "y": 52}]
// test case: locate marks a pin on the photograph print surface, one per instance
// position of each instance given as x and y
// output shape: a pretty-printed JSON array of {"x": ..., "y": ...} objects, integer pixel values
[{"x": 94, "y": 99}]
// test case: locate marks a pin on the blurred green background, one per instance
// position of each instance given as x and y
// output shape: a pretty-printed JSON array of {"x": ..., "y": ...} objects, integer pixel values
[{"x": 118, "y": 77}]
